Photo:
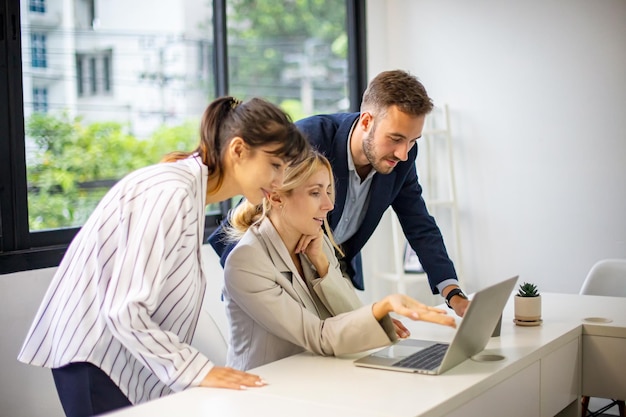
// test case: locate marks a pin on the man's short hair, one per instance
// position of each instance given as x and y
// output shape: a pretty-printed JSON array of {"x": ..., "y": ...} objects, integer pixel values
[{"x": 396, "y": 88}]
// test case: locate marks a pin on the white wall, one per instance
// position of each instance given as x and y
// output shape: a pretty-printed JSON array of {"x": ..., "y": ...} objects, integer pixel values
[
  {"x": 25, "y": 391},
  {"x": 537, "y": 93}
]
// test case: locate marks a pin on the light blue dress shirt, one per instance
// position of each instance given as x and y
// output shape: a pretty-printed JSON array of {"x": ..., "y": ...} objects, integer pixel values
[
  {"x": 355, "y": 207},
  {"x": 357, "y": 201}
]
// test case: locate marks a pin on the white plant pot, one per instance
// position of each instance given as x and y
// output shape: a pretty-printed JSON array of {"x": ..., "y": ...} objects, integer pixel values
[{"x": 528, "y": 308}]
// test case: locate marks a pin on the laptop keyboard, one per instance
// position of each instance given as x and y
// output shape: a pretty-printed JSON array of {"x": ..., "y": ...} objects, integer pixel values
[{"x": 429, "y": 358}]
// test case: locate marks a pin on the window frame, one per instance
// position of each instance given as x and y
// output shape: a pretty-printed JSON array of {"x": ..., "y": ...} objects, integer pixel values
[{"x": 21, "y": 249}]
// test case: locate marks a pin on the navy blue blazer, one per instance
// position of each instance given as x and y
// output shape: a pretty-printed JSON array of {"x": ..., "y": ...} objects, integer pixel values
[{"x": 399, "y": 189}]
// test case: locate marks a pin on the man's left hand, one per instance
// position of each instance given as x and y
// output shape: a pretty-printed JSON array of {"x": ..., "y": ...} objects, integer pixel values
[{"x": 459, "y": 305}]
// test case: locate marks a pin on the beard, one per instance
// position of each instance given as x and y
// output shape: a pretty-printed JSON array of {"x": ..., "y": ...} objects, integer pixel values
[{"x": 377, "y": 163}]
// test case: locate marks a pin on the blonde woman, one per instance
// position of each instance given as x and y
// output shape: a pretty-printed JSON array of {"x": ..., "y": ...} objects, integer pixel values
[{"x": 284, "y": 289}]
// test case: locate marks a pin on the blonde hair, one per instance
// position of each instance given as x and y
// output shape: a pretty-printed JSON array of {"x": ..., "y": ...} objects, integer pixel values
[{"x": 247, "y": 214}]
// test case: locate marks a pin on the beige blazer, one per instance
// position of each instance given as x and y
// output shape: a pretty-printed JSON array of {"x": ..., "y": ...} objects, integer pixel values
[{"x": 274, "y": 312}]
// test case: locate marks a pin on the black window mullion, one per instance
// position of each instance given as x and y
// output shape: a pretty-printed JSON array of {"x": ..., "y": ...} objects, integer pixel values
[
  {"x": 6, "y": 229},
  {"x": 15, "y": 231},
  {"x": 357, "y": 51},
  {"x": 220, "y": 64},
  {"x": 220, "y": 47}
]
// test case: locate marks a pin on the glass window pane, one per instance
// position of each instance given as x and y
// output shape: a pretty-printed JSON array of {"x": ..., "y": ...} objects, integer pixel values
[
  {"x": 108, "y": 89},
  {"x": 37, "y": 6},
  {"x": 38, "y": 50},
  {"x": 293, "y": 53}
]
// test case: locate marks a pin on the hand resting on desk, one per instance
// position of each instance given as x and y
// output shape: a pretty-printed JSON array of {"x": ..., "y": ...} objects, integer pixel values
[{"x": 224, "y": 377}]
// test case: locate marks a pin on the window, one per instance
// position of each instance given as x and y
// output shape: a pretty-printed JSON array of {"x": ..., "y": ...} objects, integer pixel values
[
  {"x": 92, "y": 76},
  {"x": 38, "y": 50},
  {"x": 98, "y": 76},
  {"x": 136, "y": 89},
  {"x": 106, "y": 73},
  {"x": 40, "y": 99},
  {"x": 37, "y": 6},
  {"x": 80, "y": 79}
]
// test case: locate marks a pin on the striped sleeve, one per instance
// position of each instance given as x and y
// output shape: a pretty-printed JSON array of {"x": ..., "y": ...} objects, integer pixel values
[{"x": 157, "y": 254}]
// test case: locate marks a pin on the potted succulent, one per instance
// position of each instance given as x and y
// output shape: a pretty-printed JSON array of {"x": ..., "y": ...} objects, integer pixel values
[{"x": 527, "y": 305}]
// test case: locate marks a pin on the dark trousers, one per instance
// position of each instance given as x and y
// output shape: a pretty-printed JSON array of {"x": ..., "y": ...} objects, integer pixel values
[{"x": 85, "y": 390}]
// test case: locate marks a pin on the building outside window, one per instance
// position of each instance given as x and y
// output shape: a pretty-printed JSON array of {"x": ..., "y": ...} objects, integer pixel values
[{"x": 85, "y": 13}]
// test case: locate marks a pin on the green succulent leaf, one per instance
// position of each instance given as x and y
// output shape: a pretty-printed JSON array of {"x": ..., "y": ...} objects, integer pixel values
[{"x": 528, "y": 290}]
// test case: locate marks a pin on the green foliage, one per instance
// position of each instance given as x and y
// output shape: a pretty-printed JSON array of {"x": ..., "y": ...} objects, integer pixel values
[
  {"x": 528, "y": 290},
  {"x": 168, "y": 139},
  {"x": 322, "y": 19},
  {"x": 73, "y": 165},
  {"x": 293, "y": 108},
  {"x": 274, "y": 45}
]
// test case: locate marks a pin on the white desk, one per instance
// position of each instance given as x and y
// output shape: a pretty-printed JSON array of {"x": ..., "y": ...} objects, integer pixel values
[
  {"x": 206, "y": 402},
  {"x": 540, "y": 375}
]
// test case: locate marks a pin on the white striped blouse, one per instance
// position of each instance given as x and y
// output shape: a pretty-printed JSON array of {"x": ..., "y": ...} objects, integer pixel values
[{"x": 127, "y": 295}]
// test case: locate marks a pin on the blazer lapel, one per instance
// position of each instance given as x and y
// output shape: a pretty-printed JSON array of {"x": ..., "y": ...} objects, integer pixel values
[
  {"x": 339, "y": 162},
  {"x": 280, "y": 258}
]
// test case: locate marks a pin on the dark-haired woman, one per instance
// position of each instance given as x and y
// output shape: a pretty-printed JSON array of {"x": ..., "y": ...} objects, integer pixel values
[{"x": 117, "y": 319}]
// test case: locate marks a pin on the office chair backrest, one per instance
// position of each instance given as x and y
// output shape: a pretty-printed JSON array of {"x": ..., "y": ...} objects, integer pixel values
[
  {"x": 212, "y": 332},
  {"x": 606, "y": 277},
  {"x": 209, "y": 338}
]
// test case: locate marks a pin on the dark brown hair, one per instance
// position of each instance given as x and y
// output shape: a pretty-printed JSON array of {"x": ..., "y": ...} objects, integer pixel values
[
  {"x": 396, "y": 88},
  {"x": 257, "y": 121}
]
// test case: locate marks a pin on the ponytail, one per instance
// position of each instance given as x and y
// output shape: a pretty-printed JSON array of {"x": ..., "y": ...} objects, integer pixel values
[
  {"x": 209, "y": 147},
  {"x": 244, "y": 216},
  {"x": 215, "y": 115}
]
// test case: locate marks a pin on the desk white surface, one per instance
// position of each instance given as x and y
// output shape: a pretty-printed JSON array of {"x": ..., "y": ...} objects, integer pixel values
[
  {"x": 309, "y": 384},
  {"x": 337, "y": 381},
  {"x": 204, "y": 402}
]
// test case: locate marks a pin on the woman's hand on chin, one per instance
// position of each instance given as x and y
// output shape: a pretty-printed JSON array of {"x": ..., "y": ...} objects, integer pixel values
[{"x": 312, "y": 247}]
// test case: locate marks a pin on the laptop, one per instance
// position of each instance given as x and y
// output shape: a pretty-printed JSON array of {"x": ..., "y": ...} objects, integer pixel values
[{"x": 471, "y": 337}]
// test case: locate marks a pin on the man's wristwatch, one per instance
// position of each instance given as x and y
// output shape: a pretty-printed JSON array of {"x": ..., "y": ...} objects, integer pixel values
[{"x": 456, "y": 291}]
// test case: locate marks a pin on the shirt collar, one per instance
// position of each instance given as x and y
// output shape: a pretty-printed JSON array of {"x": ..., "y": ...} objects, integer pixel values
[
  {"x": 351, "y": 166},
  {"x": 350, "y": 160}
]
